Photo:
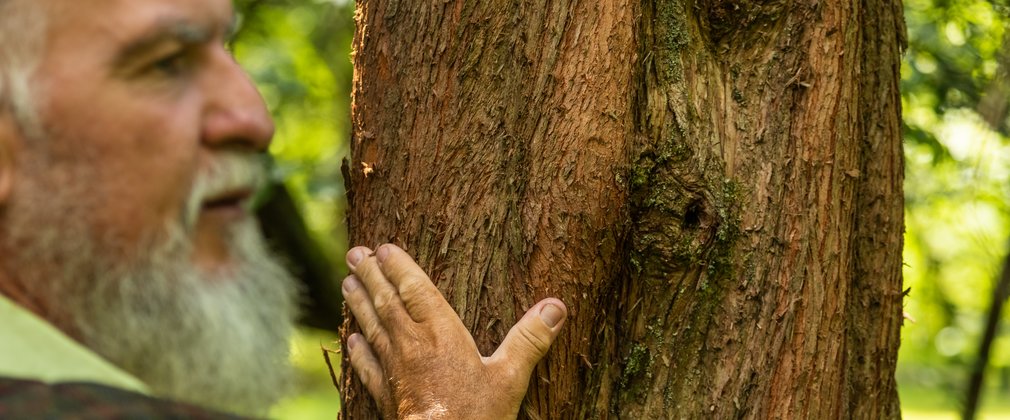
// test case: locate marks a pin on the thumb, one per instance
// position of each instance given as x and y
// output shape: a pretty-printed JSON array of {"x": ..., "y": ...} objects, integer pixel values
[{"x": 528, "y": 341}]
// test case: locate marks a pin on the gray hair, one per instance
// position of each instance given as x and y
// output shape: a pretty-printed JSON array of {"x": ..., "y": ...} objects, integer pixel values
[{"x": 22, "y": 31}]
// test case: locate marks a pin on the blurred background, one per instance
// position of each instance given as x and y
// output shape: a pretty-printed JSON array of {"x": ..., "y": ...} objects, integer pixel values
[{"x": 955, "y": 93}]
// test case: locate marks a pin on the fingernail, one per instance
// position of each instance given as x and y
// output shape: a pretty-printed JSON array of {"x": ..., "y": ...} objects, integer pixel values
[
  {"x": 352, "y": 341},
  {"x": 350, "y": 284},
  {"x": 355, "y": 256},
  {"x": 551, "y": 315},
  {"x": 382, "y": 253}
]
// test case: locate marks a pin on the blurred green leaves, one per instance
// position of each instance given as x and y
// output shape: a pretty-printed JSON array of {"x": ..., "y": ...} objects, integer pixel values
[
  {"x": 298, "y": 54},
  {"x": 952, "y": 54},
  {"x": 957, "y": 193}
]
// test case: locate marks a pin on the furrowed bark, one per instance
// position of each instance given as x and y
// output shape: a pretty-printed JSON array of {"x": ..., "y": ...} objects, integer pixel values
[{"x": 714, "y": 189}]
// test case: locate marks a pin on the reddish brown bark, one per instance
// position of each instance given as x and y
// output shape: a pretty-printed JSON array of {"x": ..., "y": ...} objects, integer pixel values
[{"x": 713, "y": 187}]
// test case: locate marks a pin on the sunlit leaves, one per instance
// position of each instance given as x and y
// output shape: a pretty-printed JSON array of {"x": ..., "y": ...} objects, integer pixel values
[
  {"x": 957, "y": 189},
  {"x": 298, "y": 52}
]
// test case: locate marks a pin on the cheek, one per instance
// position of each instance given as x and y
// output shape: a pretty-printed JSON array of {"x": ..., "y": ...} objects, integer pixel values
[
  {"x": 137, "y": 172},
  {"x": 134, "y": 151},
  {"x": 154, "y": 179}
]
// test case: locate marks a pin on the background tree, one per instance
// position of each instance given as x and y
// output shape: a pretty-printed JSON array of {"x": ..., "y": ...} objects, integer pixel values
[{"x": 713, "y": 187}]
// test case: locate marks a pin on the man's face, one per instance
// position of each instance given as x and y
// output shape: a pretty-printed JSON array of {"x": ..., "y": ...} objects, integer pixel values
[
  {"x": 140, "y": 96},
  {"x": 127, "y": 224}
]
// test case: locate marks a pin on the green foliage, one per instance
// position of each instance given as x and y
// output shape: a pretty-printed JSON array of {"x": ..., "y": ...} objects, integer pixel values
[
  {"x": 298, "y": 54},
  {"x": 952, "y": 54},
  {"x": 315, "y": 396},
  {"x": 957, "y": 211}
]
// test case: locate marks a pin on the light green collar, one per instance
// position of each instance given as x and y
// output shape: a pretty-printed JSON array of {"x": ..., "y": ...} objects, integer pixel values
[{"x": 31, "y": 348}]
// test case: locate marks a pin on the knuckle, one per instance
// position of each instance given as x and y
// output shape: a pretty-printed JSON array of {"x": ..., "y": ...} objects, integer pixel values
[
  {"x": 514, "y": 373},
  {"x": 534, "y": 341},
  {"x": 364, "y": 270},
  {"x": 380, "y": 346},
  {"x": 356, "y": 297},
  {"x": 413, "y": 285},
  {"x": 372, "y": 331},
  {"x": 358, "y": 358},
  {"x": 370, "y": 378},
  {"x": 383, "y": 301}
]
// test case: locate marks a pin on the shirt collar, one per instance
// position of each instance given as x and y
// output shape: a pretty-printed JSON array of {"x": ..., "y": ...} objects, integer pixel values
[{"x": 31, "y": 348}]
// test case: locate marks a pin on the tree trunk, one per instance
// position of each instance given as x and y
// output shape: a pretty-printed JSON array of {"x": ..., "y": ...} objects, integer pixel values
[
  {"x": 976, "y": 381},
  {"x": 713, "y": 187}
]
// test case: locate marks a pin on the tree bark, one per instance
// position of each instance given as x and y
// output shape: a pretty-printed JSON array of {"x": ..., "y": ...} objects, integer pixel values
[{"x": 713, "y": 187}]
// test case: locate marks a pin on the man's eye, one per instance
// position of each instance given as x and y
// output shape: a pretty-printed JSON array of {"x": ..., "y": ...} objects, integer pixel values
[{"x": 172, "y": 65}]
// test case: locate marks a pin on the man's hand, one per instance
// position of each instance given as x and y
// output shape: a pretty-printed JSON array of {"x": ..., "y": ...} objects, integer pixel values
[{"x": 418, "y": 360}]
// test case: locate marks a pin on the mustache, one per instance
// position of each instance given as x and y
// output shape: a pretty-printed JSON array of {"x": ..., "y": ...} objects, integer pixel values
[{"x": 228, "y": 172}]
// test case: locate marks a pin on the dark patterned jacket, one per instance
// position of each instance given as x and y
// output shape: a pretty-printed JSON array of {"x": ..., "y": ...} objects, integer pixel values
[{"x": 26, "y": 399}]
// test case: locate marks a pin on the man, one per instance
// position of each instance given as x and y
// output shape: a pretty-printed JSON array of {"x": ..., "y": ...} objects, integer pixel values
[{"x": 130, "y": 146}]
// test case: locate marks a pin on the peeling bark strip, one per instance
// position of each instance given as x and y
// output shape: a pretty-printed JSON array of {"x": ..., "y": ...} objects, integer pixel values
[{"x": 713, "y": 187}]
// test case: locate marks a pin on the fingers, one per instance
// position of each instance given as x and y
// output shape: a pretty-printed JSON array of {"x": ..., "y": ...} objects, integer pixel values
[
  {"x": 360, "y": 303},
  {"x": 421, "y": 298},
  {"x": 384, "y": 297},
  {"x": 528, "y": 341},
  {"x": 368, "y": 369}
]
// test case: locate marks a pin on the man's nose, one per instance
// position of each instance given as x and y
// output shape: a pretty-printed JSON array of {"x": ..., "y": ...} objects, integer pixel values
[{"x": 235, "y": 114}]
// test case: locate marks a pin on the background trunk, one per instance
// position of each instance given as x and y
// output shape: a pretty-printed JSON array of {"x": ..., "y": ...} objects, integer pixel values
[{"x": 713, "y": 187}]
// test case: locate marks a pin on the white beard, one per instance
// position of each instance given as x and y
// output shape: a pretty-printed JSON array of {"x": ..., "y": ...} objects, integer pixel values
[{"x": 216, "y": 339}]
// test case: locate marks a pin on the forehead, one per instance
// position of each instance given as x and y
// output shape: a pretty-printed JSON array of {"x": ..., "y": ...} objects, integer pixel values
[{"x": 121, "y": 20}]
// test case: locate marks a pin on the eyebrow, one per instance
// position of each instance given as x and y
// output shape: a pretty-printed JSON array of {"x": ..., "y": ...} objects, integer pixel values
[{"x": 182, "y": 31}]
